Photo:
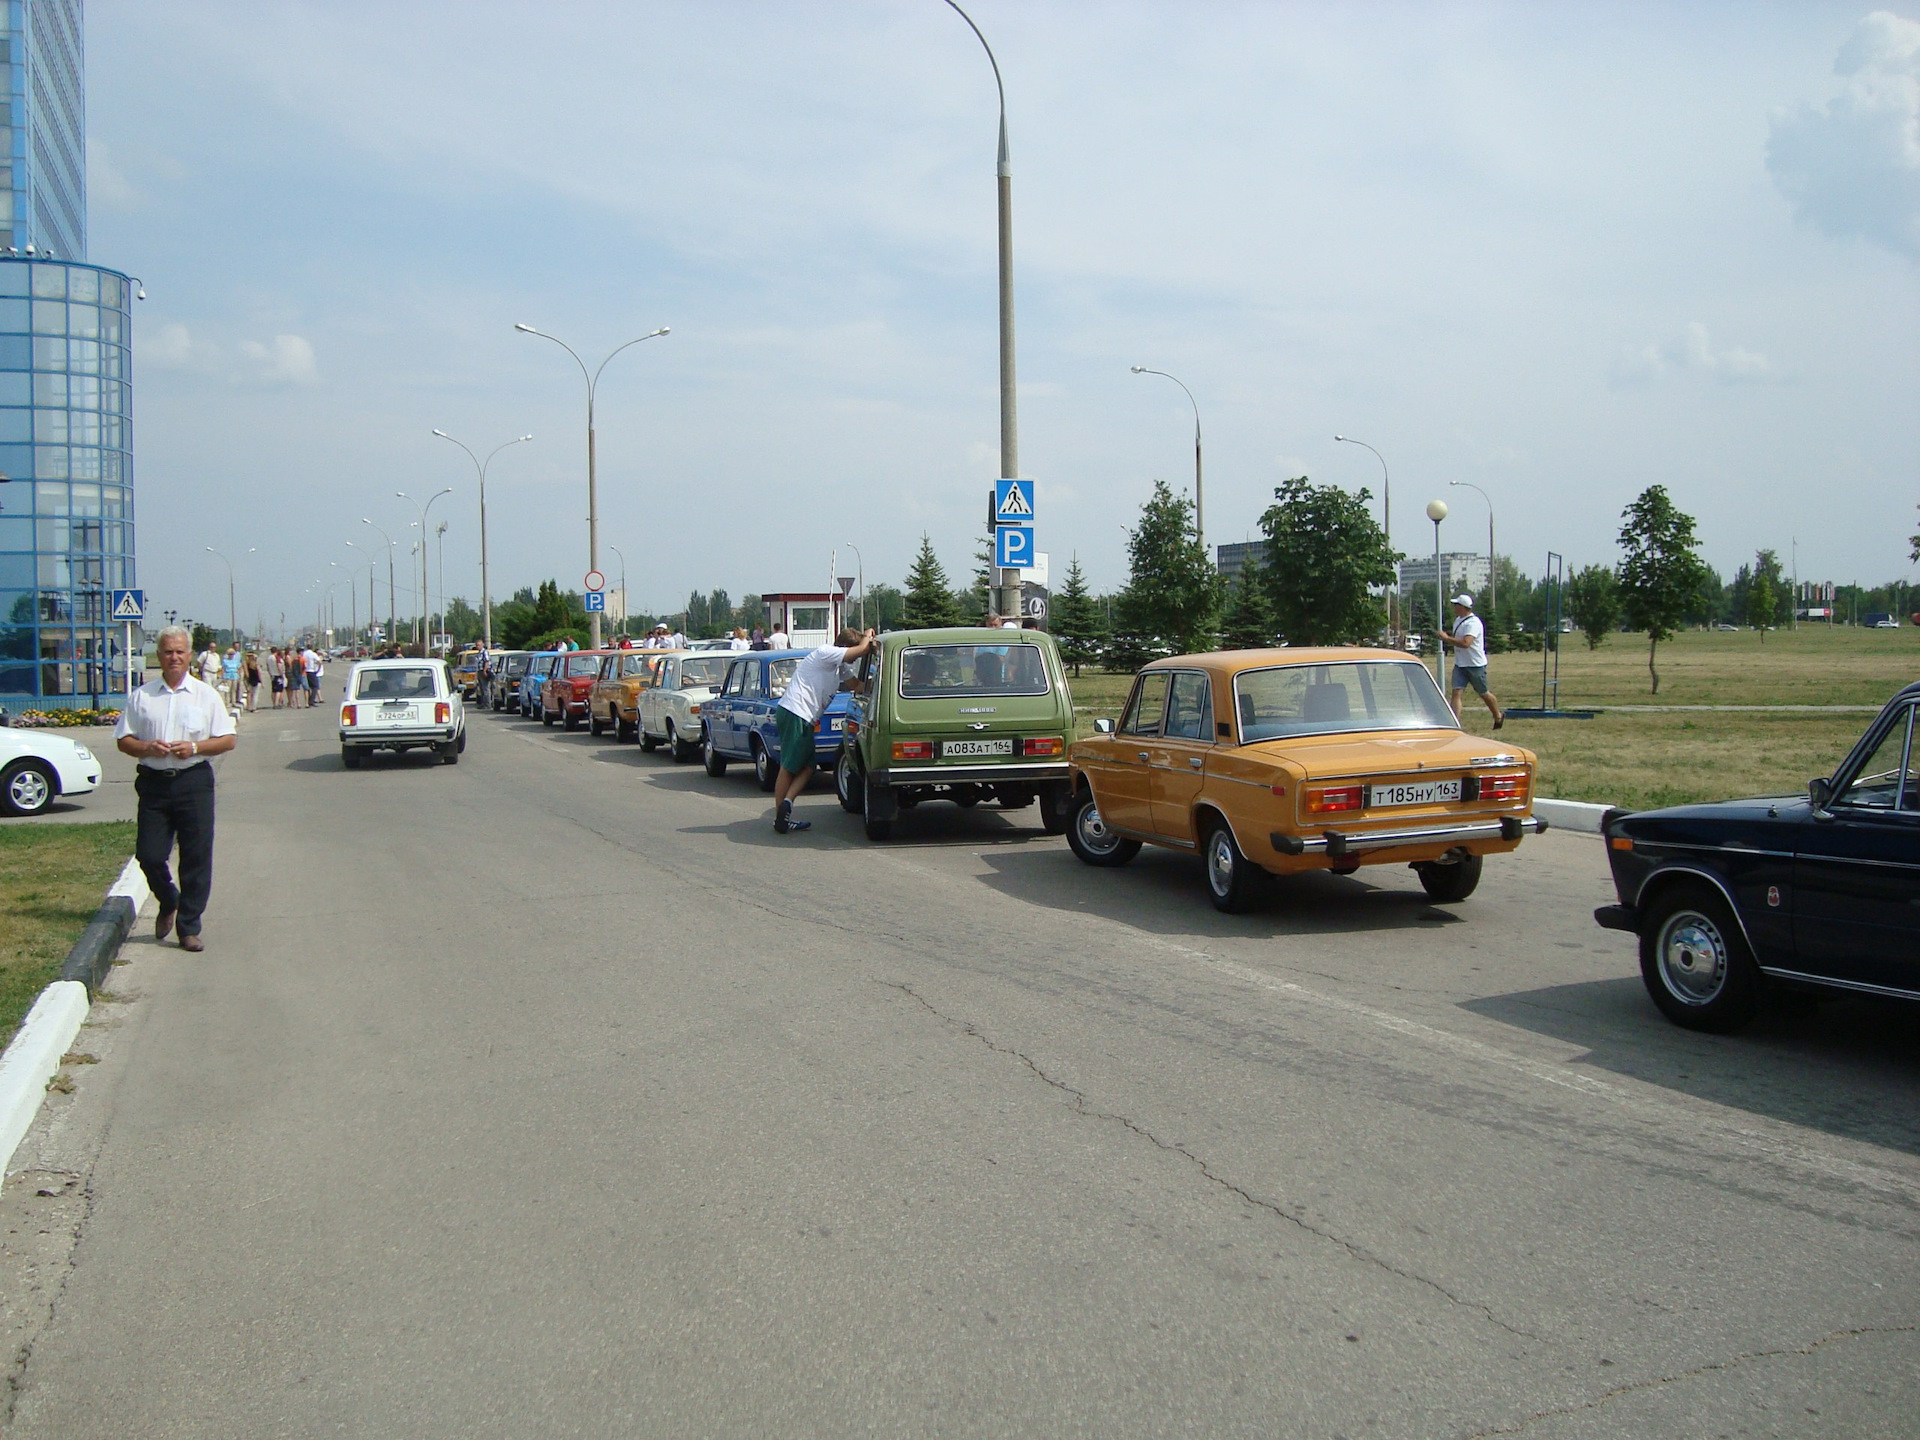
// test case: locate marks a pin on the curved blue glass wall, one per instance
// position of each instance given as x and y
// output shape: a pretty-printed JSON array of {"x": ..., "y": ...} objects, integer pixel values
[{"x": 66, "y": 452}]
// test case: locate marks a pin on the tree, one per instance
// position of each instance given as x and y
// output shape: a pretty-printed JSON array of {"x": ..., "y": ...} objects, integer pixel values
[
  {"x": 1078, "y": 621},
  {"x": 1174, "y": 593},
  {"x": 1324, "y": 552},
  {"x": 1249, "y": 623},
  {"x": 1593, "y": 600},
  {"x": 1661, "y": 574},
  {"x": 1914, "y": 541},
  {"x": 1762, "y": 598},
  {"x": 929, "y": 600},
  {"x": 886, "y": 606},
  {"x": 462, "y": 621}
]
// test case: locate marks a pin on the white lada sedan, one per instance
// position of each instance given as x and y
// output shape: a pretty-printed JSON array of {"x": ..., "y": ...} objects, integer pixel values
[
  {"x": 37, "y": 767},
  {"x": 670, "y": 709},
  {"x": 401, "y": 705}
]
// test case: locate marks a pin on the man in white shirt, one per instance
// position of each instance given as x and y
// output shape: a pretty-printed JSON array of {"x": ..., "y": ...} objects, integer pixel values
[
  {"x": 171, "y": 726},
  {"x": 676, "y": 641},
  {"x": 310, "y": 672},
  {"x": 209, "y": 664},
  {"x": 1469, "y": 644},
  {"x": 815, "y": 681},
  {"x": 778, "y": 640}
]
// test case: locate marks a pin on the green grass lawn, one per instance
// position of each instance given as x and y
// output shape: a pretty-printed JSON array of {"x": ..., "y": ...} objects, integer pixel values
[
  {"x": 1639, "y": 760},
  {"x": 52, "y": 879}
]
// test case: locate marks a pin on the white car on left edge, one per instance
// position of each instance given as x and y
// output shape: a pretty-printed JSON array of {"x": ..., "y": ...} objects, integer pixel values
[
  {"x": 36, "y": 767},
  {"x": 401, "y": 705}
]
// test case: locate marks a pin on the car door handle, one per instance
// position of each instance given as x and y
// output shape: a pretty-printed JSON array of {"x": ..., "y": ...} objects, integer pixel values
[
  {"x": 1143, "y": 755},
  {"x": 1195, "y": 761}
]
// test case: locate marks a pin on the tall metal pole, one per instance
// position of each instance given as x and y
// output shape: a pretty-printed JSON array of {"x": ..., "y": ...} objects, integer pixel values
[
  {"x": 392, "y": 626},
  {"x": 593, "y": 492},
  {"x": 1394, "y": 632},
  {"x": 623, "y": 588},
  {"x": 373, "y": 610},
  {"x": 1199, "y": 502},
  {"x": 440, "y": 534},
  {"x": 862, "y": 572},
  {"x": 486, "y": 594},
  {"x": 1436, "y": 512},
  {"x": 233, "y": 625},
  {"x": 1493, "y": 578},
  {"x": 425, "y": 530},
  {"x": 1009, "y": 597}
]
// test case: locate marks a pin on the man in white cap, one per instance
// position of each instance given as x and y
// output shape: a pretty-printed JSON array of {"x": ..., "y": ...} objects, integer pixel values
[{"x": 1469, "y": 644}]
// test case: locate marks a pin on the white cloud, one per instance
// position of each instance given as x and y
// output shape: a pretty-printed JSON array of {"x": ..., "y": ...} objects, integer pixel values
[
  {"x": 1852, "y": 167},
  {"x": 168, "y": 348},
  {"x": 1691, "y": 352},
  {"x": 107, "y": 184},
  {"x": 287, "y": 361}
]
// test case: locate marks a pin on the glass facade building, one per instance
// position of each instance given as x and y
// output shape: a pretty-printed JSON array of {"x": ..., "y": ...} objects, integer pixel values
[
  {"x": 66, "y": 504},
  {"x": 43, "y": 161}
]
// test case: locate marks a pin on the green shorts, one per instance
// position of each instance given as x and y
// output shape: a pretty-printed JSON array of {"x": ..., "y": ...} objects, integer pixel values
[{"x": 796, "y": 740}]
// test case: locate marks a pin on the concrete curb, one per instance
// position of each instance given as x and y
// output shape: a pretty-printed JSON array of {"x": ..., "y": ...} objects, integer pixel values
[
  {"x": 47, "y": 1034},
  {"x": 1576, "y": 815}
]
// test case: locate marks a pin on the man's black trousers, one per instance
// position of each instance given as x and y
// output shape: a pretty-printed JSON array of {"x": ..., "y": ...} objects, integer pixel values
[{"x": 177, "y": 805}]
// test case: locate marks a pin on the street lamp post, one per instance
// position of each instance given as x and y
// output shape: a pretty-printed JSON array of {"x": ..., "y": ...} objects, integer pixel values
[
  {"x": 862, "y": 573},
  {"x": 440, "y": 574},
  {"x": 233, "y": 628},
  {"x": 392, "y": 625},
  {"x": 593, "y": 492},
  {"x": 1386, "y": 528},
  {"x": 480, "y": 466},
  {"x": 1493, "y": 580},
  {"x": 1436, "y": 512},
  {"x": 1199, "y": 505},
  {"x": 1009, "y": 602},
  {"x": 425, "y": 531},
  {"x": 623, "y": 588},
  {"x": 373, "y": 610}
]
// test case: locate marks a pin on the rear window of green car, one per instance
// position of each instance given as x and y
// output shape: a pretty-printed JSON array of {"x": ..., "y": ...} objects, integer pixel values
[{"x": 941, "y": 672}]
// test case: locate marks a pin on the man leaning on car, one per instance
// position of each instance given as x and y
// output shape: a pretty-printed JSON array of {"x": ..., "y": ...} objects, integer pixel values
[{"x": 172, "y": 726}]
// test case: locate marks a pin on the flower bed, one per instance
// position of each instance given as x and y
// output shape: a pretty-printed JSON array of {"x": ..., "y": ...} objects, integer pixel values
[{"x": 63, "y": 719}]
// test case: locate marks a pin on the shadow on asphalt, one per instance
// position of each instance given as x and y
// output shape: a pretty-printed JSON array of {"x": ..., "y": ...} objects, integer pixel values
[
  {"x": 1849, "y": 1067},
  {"x": 379, "y": 760},
  {"x": 1164, "y": 893}
]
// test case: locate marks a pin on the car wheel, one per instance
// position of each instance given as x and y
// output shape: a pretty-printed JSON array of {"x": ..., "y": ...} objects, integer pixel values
[
  {"x": 27, "y": 789},
  {"x": 351, "y": 758},
  {"x": 765, "y": 772},
  {"x": 878, "y": 830},
  {"x": 546, "y": 716},
  {"x": 1092, "y": 841},
  {"x": 1695, "y": 961},
  {"x": 449, "y": 754},
  {"x": 1234, "y": 883},
  {"x": 1450, "y": 884},
  {"x": 624, "y": 733},
  {"x": 683, "y": 750},
  {"x": 715, "y": 761},
  {"x": 461, "y": 743},
  {"x": 595, "y": 725},
  {"x": 648, "y": 743},
  {"x": 966, "y": 797},
  {"x": 1055, "y": 811},
  {"x": 567, "y": 720},
  {"x": 850, "y": 785}
]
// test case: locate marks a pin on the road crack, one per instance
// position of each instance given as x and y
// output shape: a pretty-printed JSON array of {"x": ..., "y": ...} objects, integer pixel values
[
  {"x": 1732, "y": 1362},
  {"x": 1081, "y": 1105}
]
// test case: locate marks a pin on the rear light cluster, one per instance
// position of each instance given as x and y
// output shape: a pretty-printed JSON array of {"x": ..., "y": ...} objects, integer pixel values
[
  {"x": 349, "y": 715},
  {"x": 913, "y": 749},
  {"x": 1503, "y": 787},
  {"x": 1336, "y": 798},
  {"x": 1046, "y": 747},
  {"x": 443, "y": 713}
]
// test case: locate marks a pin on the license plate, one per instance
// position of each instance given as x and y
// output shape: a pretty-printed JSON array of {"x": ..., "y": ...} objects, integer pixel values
[
  {"x": 1415, "y": 792},
  {"x": 973, "y": 749},
  {"x": 392, "y": 711}
]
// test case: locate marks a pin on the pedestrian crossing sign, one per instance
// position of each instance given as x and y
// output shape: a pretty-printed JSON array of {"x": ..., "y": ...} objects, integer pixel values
[
  {"x": 130, "y": 605},
  {"x": 1012, "y": 502}
]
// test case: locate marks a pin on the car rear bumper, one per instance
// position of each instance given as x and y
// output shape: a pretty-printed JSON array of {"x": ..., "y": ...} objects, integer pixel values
[
  {"x": 999, "y": 773},
  {"x": 1335, "y": 843},
  {"x": 413, "y": 735}
]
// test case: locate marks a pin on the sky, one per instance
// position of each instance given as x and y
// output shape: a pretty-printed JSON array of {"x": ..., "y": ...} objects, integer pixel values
[{"x": 1558, "y": 252}]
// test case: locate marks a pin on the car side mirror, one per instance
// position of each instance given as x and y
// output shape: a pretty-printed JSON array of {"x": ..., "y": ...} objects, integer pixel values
[
  {"x": 1103, "y": 727},
  {"x": 1820, "y": 791}
]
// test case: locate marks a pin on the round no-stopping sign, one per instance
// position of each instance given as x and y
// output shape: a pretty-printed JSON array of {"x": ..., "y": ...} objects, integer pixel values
[{"x": 595, "y": 580}]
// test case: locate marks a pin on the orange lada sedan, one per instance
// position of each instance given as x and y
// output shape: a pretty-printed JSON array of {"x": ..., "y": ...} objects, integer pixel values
[{"x": 1270, "y": 762}]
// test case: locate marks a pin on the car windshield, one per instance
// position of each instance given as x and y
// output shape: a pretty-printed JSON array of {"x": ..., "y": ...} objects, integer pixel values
[
  {"x": 1347, "y": 695},
  {"x": 410, "y": 684},
  {"x": 702, "y": 672},
  {"x": 582, "y": 664},
  {"x": 935, "y": 672},
  {"x": 516, "y": 664}
]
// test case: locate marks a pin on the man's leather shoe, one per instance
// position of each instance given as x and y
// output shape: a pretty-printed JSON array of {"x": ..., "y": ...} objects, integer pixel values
[
  {"x": 163, "y": 926},
  {"x": 193, "y": 943}
]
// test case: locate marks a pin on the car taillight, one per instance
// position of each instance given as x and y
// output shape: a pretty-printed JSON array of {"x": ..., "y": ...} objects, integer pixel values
[
  {"x": 1502, "y": 787},
  {"x": 1051, "y": 746},
  {"x": 1343, "y": 797},
  {"x": 349, "y": 715},
  {"x": 913, "y": 749},
  {"x": 853, "y": 726},
  {"x": 443, "y": 714}
]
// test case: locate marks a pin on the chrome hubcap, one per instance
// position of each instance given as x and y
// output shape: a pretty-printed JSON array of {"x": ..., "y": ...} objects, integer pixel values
[
  {"x": 28, "y": 790},
  {"x": 1220, "y": 863},
  {"x": 1693, "y": 958},
  {"x": 1094, "y": 833}
]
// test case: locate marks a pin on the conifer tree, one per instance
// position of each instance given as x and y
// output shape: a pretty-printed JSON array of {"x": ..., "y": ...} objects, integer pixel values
[
  {"x": 1077, "y": 620},
  {"x": 929, "y": 600},
  {"x": 1249, "y": 623}
]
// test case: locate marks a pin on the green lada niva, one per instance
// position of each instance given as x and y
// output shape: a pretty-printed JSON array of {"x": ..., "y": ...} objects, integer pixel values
[{"x": 964, "y": 715}]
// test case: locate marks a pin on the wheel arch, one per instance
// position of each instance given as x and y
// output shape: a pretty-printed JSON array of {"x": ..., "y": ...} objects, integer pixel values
[
  {"x": 1667, "y": 876},
  {"x": 1205, "y": 812}
]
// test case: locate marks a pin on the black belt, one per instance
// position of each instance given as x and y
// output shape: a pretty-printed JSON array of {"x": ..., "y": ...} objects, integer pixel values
[{"x": 154, "y": 772}]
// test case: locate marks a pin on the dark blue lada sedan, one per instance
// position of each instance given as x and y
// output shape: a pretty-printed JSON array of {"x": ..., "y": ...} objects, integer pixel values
[
  {"x": 1821, "y": 889},
  {"x": 739, "y": 719}
]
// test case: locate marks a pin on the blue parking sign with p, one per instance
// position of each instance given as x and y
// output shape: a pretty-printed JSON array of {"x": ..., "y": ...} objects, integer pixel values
[
  {"x": 596, "y": 600},
  {"x": 1013, "y": 547}
]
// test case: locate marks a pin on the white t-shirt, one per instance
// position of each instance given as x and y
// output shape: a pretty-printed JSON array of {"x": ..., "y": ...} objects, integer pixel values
[
  {"x": 815, "y": 681},
  {"x": 676, "y": 641},
  {"x": 193, "y": 712},
  {"x": 1472, "y": 636},
  {"x": 738, "y": 642},
  {"x": 778, "y": 640},
  {"x": 209, "y": 671}
]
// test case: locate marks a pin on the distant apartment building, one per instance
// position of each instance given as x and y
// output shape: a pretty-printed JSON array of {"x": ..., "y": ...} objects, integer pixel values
[
  {"x": 1232, "y": 559},
  {"x": 1461, "y": 569}
]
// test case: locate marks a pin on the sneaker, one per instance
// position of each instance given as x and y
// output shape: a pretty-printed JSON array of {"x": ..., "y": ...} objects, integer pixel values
[
  {"x": 799, "y": 825},
  {"x": 781, "y": 812}
]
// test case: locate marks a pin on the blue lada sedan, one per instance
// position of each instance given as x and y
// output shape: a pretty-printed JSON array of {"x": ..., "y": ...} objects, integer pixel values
[
  {"x": 539, "y": 667},
  {"x": 740, "y": 723},
  {"x": 1820, "y": 890}
]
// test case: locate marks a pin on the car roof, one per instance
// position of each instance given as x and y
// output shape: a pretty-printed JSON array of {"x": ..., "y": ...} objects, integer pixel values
[
  {"x": 392, "y": 663},
  {"x": 961, "y": 635},
  {"x": 1232, "y": 662}
]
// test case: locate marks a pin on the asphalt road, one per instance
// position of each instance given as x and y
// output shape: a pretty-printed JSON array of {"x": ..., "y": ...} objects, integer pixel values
[{"x": 553, "y": 1094}]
